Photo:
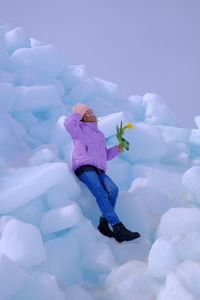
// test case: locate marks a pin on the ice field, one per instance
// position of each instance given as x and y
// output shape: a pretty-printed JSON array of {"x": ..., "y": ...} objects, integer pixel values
[{"x": 50, "y": 248}]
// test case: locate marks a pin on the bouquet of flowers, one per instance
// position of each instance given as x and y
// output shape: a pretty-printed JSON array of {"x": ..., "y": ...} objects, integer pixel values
[{"x": 120, "y": 131}]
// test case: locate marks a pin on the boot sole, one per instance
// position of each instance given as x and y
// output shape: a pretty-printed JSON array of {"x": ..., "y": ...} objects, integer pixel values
[{"x": 126, "y": 239}]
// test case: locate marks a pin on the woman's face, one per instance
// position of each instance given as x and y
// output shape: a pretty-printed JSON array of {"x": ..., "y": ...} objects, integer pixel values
[{"x": 89, "y": 116}]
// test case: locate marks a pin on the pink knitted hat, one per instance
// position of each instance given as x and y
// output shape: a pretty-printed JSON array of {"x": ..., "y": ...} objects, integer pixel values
[{"x": 80, "y": 108}]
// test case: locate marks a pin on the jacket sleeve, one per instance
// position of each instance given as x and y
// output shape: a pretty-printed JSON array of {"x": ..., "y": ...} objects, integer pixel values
[
  {"x": 112, "y": 152},
  {"x": 72, "y": 125}
]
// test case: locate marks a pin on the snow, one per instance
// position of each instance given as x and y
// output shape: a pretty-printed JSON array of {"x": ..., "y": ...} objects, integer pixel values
[
  {"x": 22, "y": 185},
  {"x": 157, "y": 112},
  {"x": 16, "y": 39},
  {"x": 188, "y": 247},
  {"x": 127, "y": 281},
  {"x": 12, "y": 277},
  {"x": 36, "y": 98},
  {"x": 22, "y": 243},
  {"x": 197, "y": 121},
  {"x": 190, "y": 184},
  {"x": 50, "y": 247},
  {"x": 188, "y": 273},
  {"x": 41, "y": 156},
  {"x": 7, "y": 97},
  {"x": 61, "y": 218},
  {"x": 44, "y": 58},
  {"x": 148, "y": 144},
  {"x": 72, "y": 75},
  {"x": 136, "y": 107},
  {"x": 40, "y": 286},
  {"x": 188, "y": 222},
  {"x": 174, "y": 290},
  {"x": 162, "y": 258},
  {"x": 108, "y": 123}
]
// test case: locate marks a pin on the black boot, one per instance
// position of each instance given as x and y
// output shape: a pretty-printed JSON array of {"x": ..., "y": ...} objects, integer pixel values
[
  {"x": 122, "y": 234},
  {"x": 104, "y": 227}
]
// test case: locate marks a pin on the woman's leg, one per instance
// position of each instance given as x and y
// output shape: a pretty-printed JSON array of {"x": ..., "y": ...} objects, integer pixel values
[
  {"x": 92, "y": 180},
  {"x": 111, "y": 188}
]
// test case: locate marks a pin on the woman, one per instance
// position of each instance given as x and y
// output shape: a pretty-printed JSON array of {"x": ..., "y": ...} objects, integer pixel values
[{"x": 89, "y": 164}]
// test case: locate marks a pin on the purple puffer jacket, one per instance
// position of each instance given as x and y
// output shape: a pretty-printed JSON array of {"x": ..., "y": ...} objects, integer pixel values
[{"x": 89, "y": 143}]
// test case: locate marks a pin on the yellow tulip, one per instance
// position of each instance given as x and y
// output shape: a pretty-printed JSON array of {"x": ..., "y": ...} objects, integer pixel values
[{"x": 129, "y": 125}]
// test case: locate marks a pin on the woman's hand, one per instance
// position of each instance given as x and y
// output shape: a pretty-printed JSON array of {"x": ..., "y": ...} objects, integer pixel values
[
  {"x": 123, "y": 144},
  {"x": 120, "y": 148}
]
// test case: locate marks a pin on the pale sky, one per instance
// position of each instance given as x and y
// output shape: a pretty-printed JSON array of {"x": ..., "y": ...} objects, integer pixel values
[{"x": 142, "y": 45}]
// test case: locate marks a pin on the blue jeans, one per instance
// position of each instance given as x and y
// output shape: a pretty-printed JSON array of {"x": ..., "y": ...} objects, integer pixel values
[{"x": 105, "y": 191}]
